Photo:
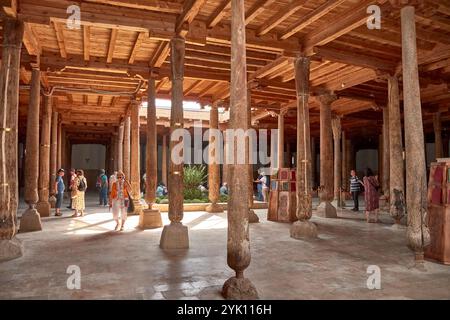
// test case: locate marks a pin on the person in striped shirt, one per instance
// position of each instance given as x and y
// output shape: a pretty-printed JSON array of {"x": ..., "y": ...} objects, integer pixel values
[{"x": 355, "y": 189}]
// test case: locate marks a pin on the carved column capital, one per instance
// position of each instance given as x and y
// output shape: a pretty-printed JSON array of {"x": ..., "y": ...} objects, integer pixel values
[{"x": 326, "y": 98}]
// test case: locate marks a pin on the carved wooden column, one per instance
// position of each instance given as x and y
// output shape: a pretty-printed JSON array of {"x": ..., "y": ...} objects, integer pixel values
[
  {"x": 151, "y": 217},
  {"x": 396, "y": 166},
  {"x": 64, "y": 149},
  {"x": 53, "y": 158},
  {"x": 58, "y": 152},
  {"x": 303, "y": 228},
  {"x": 345, "y": 170},
  {"x": 10, "y": 246},
  {"x": 213, "y": 161},
  {"x": 288, "y": 155},
  {"x": 175, "y": 235},
  {"x": 31, "y": 221},
  {"x": 126, "y": 147},
  {"x": 349, "y": 158},
  {"x": 438, "y": 147},
  {"x": 325, "y": 208},
  {"x": 135, "y": 173},
  {"x": 385, "y": 158},
  {"x": 313, "y": 162},
  {"x": 238, "y": 245},
  {"x": 416, "y": 183},
  {"x": 43, "y": 206},
  {"x": 337, "y": 134},
  {"x": 281, "y": 139},
  {"x": 225, "y": 165},
  {"x": 120, "y": 147},
  {"x": 252, "y": 216},
  {"x": 164, "y": 160}
]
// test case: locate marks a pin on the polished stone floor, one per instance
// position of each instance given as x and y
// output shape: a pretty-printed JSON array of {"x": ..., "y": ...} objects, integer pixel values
[{"x": 130, "y": 264}]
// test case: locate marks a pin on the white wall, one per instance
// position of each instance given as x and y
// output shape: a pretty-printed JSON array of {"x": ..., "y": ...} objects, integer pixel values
[{"x": 88, "y": 156}]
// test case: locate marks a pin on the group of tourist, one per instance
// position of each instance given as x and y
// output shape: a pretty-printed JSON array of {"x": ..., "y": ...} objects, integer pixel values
[
  {"x": 370, "y": 185},
  {"x": 114, "y": 192}
]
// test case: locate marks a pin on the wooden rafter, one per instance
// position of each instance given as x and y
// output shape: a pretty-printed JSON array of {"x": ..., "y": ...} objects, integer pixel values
[
  {"x": 137, "y": 45},
  {"x": 219, "y": 13},
  {"x": 87, "y": 42},
  {"x": 29, "y": 40},
  {"x": 61, "y": 39},
  {"x": 271, "y": 67},
  {"x": 256, "y": 9},
  {"x": 161, "y": 84},
  {"x": 112, "y": 45},
  {"x": 190, "y": 10},
  {"x": 160, "y": 55},
  {"x": 99, "y": 101},
  {"x": 310, "y": 18},
  {"x": 280, "y": 16},
  {"x": 192, "y": 87}
]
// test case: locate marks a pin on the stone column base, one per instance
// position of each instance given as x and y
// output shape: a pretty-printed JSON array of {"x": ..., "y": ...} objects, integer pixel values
[
  {"x": 174, "y": 236},
  {"x": 326, "y": 210},
  {"x": 10, "y": 249},
  {"x": 214, "y": 208},
  {"x": 252, "y": 217},
  {"x": 384, "y": 202},
  {"x": 52, "y": 201},
  {"x": 138, "y": 207},
  {"x": 303, "y": 230},
  {"x": 43, "y": 207},
  {"x": 150, "y": 219},
  {"x": 239, "y": 289},
  {"x": 30, "y": 221}
]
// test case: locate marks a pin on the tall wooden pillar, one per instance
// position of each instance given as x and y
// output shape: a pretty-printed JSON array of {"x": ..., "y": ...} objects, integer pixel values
[
  {"x": 238, "y": 245},
  {"x": 396, "y": 166},
  {"x": 385, "y": 155},
  {"x": 135, "y": 173},
  {"x": 58, "y": 152},
  {"x": 349, "y": 159},
  {"x": 164, "y": 160},
  {"x": 31, "y": 221},
  {"x": 126, "y": 147},
  {"x": 63, "y": 149},
  {"x": 53, "y": 158},
  {"x": 344, "y": 162},
  {"x": 225, "y": 165},
  {"x": 214, "y": 161},
  {"x": 175, "y": 235},
  {"x": 325, "y": 208},
  {"x": 151, "y": 217},
  {"x": 119, "y": 154},
  {"x": 416, "y": 183},
  {"x": 303, "y": 228},
  {"x": 337, "y": 134},
  {"x": 313, "y": 162},
  {"x": 10, "y": 247},
  {"x": 43, "y": 206},
  {"x": 438, "y": 147},
  {"x": 252, "y": 216},
  {"x": 281, "y": 139}
]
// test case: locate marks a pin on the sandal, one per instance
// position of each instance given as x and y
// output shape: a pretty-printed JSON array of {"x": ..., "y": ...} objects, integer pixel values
[{"x": 74, "y": 215}]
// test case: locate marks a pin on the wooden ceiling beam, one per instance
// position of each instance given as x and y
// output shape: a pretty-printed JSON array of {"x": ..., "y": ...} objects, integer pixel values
[
  {"x": 60, "y": 38},
  {"x": 137, "y": 45},
  {"x": 219, "y": 13},
  {"x": 30, "y": 41},
  {"x": 271, "y": 67},
  {"x": 310, "y": 18},
  {"x": 86, "y": 42},
  {"x": 349, "y": 20},
  {"x": 160, "y": 55},
  {"x": 150, "y": 5},
  {"x": 190, "y": 11},
  {"x": 112, "y": 45},
  {"x": 256, "y": 9},
  {"x": 280, "y": 16}
]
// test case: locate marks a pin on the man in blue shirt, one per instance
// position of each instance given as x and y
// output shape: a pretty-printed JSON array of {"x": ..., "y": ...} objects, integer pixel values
[
  {"x": 103, "y": 185},
  {"x": 59, "y": 191}
]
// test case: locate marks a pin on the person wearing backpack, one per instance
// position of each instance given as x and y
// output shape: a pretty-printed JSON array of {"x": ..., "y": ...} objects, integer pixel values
[
  {"x": 103, "y": 188},
  {"x": 78, "y": 193}
]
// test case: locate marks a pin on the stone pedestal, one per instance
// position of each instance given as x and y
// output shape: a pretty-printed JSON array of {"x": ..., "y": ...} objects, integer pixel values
[
  {"x": 138, "y": 208},
  {"x": 252, "y": 217},
  {"x": 52, "y": 201},
  {"x": 239, "y": 289},
  {"x": 174, "y": 236},
  {"x": 10, "y": 249},
  {"x": 43, "y": 208},
  {"x": 384, "y": 202},
  {"x": 214, "y": 208},
  {"x": 326, "y": 210},
  {"x": 303, "y": 230},
  {"x": 150, "y": 219},
  {"x": 30, "y": 221}
]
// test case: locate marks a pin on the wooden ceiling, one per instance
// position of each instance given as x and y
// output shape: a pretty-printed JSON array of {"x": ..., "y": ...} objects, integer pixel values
[{"x": 97, "y": 69}]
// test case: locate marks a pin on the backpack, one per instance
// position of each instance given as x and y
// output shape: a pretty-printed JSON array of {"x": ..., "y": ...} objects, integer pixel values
[{"x": 82, "y": 185}]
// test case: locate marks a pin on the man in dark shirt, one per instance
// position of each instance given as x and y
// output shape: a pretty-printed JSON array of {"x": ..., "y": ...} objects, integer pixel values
[
  {"x": 355, "y": 189},
  {"x": 59, "y": 191}
]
